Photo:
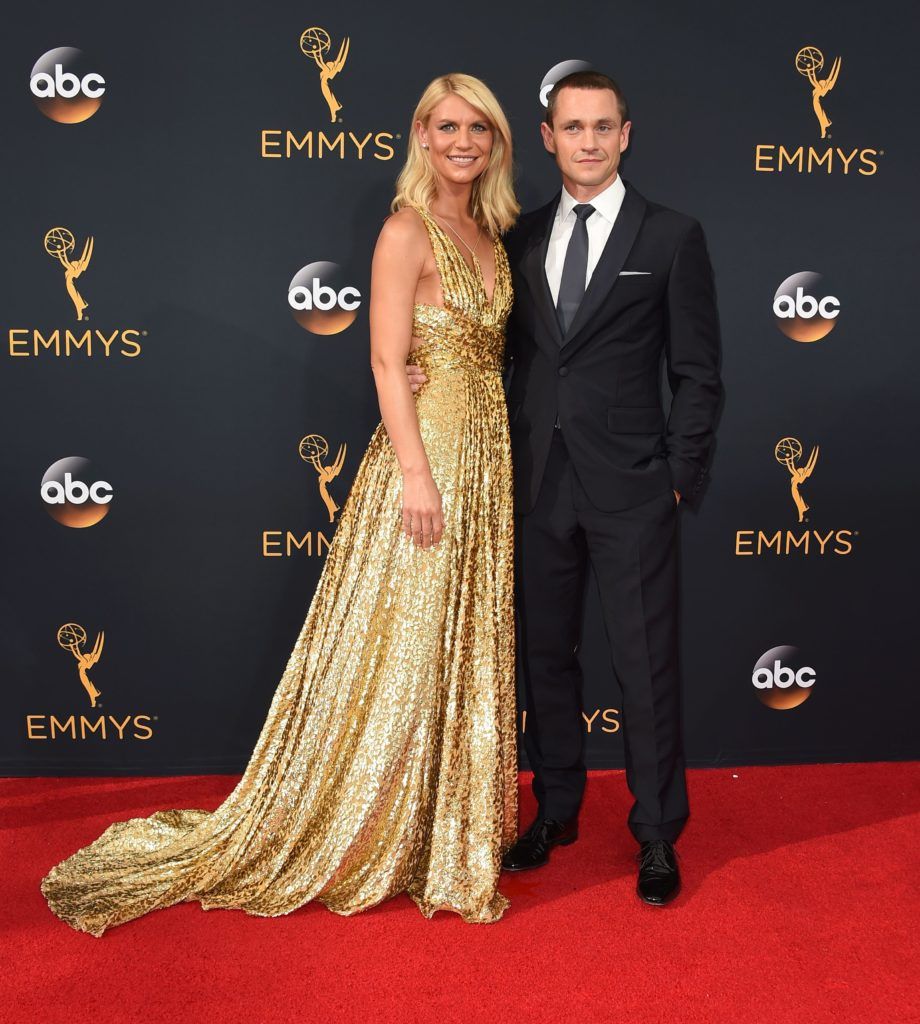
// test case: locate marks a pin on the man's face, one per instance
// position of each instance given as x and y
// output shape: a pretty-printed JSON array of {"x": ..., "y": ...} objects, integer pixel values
[{"x": 587, "y": 137}]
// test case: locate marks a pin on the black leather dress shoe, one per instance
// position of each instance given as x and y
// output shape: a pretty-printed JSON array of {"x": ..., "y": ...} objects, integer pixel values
[
  {"x": 659, "y": 879},
  {"x": 532, "y": 848}
]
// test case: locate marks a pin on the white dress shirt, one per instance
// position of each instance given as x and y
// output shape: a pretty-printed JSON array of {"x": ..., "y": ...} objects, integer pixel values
[{"x": 606, "y": 207}]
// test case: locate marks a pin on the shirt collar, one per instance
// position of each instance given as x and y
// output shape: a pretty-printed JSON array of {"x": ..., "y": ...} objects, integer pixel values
[{"x": 606, "y": 203}]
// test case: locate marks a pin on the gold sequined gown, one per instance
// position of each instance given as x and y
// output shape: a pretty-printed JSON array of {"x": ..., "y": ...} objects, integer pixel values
[{"x": 387, "y": 762}]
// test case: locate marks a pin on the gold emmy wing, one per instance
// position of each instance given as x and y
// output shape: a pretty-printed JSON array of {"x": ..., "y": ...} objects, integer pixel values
[{"x": 387, "y": 762}]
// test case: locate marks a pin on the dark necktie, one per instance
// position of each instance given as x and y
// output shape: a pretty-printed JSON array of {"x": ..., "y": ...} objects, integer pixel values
[{"x": 574, "y": 269}]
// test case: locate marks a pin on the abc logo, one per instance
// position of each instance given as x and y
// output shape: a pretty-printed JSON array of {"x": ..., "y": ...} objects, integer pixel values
[
  {"x": 781, "y": 679},
  {"x": 64, "y": 86},
  {"x": 73, "y": 494},
  {"x": 803, "y": 309},
  {"x": 321, "y": 300},
  {"x": 557, "y": 71}
]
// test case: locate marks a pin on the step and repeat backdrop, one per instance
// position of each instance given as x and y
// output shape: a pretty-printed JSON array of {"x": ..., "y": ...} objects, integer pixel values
[{"x": 191, "y": 197}]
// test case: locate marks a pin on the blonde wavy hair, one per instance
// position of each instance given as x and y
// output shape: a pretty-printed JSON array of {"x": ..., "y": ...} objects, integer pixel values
[{"x": 493, "y": 203}]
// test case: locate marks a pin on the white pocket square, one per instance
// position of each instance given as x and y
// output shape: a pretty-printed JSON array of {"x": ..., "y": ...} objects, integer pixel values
[{"x": 634, "y": 273}]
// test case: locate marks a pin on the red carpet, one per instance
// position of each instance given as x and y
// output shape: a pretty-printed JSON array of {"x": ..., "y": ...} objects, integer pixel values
[{"x": 800, "y": 904}]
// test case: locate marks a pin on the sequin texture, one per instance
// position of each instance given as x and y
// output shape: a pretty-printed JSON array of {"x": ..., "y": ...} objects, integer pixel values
[{"x": 387, "y": 762}]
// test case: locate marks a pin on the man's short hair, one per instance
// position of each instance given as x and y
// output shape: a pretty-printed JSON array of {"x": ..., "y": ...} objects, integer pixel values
[{"x": 586, "y": 80}]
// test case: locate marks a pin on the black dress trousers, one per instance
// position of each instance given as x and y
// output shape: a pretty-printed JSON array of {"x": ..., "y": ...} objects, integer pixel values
[{"x": 634, "y": 556}]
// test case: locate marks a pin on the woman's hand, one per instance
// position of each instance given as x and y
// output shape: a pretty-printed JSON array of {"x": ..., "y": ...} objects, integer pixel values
[{"x": 423, "y": 520}]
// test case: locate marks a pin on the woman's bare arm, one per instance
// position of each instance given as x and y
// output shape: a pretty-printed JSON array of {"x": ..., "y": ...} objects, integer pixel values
[{"x": 398, "y": 263}]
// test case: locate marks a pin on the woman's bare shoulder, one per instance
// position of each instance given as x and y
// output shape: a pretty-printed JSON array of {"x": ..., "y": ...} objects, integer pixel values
[
  {"x": 406, "y": 224},
  {"x": 403, "y": 235}
]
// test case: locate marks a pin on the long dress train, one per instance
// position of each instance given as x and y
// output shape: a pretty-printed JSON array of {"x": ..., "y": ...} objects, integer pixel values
[{"x": 387, "y": 762}]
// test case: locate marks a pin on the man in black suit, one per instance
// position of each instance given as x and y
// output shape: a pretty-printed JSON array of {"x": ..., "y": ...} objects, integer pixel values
[{"x": 607, "y": 285}]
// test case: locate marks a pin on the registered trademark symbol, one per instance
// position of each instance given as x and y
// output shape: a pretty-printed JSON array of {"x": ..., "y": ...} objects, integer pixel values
[
  {"x": 155, "y": 717},
  {"x": 144, "y": 333},
  {"x": 399, "y": 135},
  {"x": 881, "y": 152}
]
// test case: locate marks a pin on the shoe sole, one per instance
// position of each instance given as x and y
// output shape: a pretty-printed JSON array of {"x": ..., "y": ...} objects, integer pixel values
[{"x": 543, "y": 863}]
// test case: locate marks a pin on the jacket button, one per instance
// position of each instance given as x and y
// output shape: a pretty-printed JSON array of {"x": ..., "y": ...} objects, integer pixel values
[{"x": 563, "y": 371}]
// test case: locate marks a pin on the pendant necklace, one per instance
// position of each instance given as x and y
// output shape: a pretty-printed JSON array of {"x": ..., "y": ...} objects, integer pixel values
[{"x": 462, "y": 239}]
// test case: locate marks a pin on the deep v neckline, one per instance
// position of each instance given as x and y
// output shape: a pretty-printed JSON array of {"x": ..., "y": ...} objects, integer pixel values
[{"x": 477, "y": 272}]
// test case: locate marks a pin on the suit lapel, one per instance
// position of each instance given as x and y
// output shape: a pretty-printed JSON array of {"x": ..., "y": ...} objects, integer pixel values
[
  {"x": 604, "y": 278},
  {"x": 533, "y": 267}
]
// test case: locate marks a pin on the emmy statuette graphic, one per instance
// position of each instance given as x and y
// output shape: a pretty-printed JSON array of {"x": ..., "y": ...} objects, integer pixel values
[
  {"x": 71, "y": 636},
  {"x": 808, "y": 62},
  {"x": 315, "y": 43},
  {"x": 787, "y": 451},
  {"x": 313, "y": 449},
  {"x": 60, "y": 243}
]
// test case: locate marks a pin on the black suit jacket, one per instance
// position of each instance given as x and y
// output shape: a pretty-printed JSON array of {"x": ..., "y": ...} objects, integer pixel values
[{"x": 603, "y": 377}]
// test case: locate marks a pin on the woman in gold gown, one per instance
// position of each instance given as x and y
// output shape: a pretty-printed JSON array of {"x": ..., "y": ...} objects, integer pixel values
[{"x": 387, "y": 762}]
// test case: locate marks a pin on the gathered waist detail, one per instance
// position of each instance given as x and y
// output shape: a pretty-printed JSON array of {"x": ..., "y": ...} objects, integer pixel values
[
  {"x": 432, "y": 357},
  {"x": 451, "y": 340}
]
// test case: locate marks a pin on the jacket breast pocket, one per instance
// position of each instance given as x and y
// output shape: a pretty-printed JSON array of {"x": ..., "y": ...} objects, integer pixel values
[
  {"x": 643, "y": 419},
  {"x": 638, "y": 284}
]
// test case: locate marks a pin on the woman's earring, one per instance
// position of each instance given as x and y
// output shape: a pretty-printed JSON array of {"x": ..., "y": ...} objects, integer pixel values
[{"x": 424, "y": 145}]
